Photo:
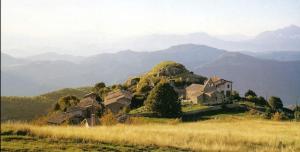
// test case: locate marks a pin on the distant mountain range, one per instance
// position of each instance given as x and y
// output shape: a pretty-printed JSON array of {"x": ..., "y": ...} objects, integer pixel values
[
  {"x": 284, "y": 39},
  {"x": 268, "y": 77}
]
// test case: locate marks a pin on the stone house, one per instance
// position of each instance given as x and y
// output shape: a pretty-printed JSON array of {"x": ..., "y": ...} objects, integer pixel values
[
  {"x": 213, "y": 91},
  {"x": 222, "y": 85},
  {"x": 86, "y": 109},
  {"x": 117, "y": 100}
]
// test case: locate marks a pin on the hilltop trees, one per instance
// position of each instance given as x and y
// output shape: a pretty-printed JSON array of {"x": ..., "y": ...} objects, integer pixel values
[
  {"x": 275, "y": 103},
  {"x": 250, "y": 93},
  {"x": 99, "y": 86},
  {"x": 101, "y": 89},
  {"x": 164, "y": 101}
]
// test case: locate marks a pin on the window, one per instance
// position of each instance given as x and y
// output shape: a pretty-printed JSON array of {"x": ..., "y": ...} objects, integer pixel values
[{"x": 228, "y": 86}]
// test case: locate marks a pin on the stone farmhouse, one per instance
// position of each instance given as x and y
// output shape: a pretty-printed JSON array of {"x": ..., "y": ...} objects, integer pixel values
[
  {"x": 84, "y": 112},
  {"x": 117, "y": 100},
  {"x": 213, "y": 91}
]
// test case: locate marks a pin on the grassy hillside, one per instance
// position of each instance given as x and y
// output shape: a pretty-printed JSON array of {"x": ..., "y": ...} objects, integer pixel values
[
  {"x": 231, "y": 134},
  {"x": 24, "y": 108},
  {"x": 28, "y": 108}
]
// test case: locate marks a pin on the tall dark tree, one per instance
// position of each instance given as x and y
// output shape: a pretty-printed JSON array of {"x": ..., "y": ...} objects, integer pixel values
[
  {"x": 99, "y": 86},
  {"x": 164, "y": 100},
  {"x": 250, "y": 93},
  {"x": 275, "y": 103}
]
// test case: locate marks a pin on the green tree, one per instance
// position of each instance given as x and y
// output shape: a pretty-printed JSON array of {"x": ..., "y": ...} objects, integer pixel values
[
  {"x": 164, "y": 101},
  {"x": 250, "y": 93},
  {"x": 99, "y": 86},
  {"x": 66, "y": 102},
  {"x": 261, "y": 101},
  {"x": 275, "y": 103}
]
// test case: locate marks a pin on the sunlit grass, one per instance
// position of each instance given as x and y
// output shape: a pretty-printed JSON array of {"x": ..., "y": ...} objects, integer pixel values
[{"x": 212, "y": 135}]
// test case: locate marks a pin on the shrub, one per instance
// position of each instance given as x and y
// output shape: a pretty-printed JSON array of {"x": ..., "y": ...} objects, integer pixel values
[
  {"x": 297, "y": 115},
  {"x": 108, "y": 119},
  {"x": 143, "y": 87},
  {"x": 275, "y": 103},
  {"x": 252, "y": 98},
  {"x": 250, "y": 93},
  {"x": 278, "y": 116},
  {"x": 164, "y": 101},
  {"x": 268, "y": 113},
  {"x": 137, "y": 101},
  {"x": 235, "y": 96}
]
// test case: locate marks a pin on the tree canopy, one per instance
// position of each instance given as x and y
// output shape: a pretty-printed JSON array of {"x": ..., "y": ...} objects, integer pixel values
[
  {"x": 66, "y": 102},
  {"x": 164, "y": 101},
  {"x": 99, "y": 86},
  {"x": 250, "y": 93},
  {"x": 275, "y": 103}
]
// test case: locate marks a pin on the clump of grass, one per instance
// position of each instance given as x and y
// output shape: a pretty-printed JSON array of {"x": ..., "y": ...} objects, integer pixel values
[
  {"x": 278, "y": 116},
  {"x": 108, "y": 119}
]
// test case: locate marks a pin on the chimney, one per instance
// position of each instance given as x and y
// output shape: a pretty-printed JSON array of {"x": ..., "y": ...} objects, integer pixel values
[{"x": 92, "y": 120}]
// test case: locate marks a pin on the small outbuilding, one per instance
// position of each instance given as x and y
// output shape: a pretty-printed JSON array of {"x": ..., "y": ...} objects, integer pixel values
[{"x": 117, "y": 100}]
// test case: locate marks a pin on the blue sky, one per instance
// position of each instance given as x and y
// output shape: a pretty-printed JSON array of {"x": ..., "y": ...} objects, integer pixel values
[{"x": 111, "y": 19}]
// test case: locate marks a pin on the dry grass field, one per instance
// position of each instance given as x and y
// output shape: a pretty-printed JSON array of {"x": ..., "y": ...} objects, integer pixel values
[{"x": 228, "y": 134}]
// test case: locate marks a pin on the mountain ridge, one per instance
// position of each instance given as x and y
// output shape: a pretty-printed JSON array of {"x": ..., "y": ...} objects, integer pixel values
[{"x": 117, "y": 67}]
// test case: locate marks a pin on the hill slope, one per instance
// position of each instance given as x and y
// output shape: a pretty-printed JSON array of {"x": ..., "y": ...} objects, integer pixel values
[{"x": 28, "y": 108}]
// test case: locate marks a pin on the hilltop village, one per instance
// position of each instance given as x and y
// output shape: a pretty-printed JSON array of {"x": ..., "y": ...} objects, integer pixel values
[{"x": 187, "y": 94}]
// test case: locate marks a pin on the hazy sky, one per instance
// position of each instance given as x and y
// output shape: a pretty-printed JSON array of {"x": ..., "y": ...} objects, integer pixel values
[{"x": 29, "y": 23}]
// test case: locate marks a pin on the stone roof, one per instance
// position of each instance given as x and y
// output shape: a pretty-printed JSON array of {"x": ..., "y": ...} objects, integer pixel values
[
  {"x": 116, "y": 96},
  {"x": 195, "y": 87},
  {"x": 74, "y": 108},
  {"x": 92, "y": 95},
  {"x": 86, "y": 102}
]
